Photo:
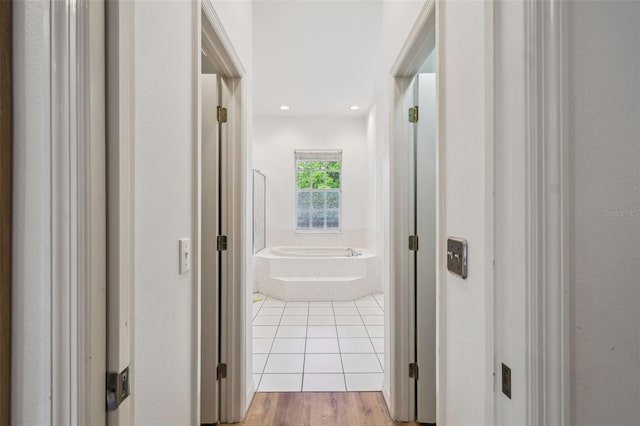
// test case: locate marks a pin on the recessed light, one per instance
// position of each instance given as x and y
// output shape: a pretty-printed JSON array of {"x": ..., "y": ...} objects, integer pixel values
[
  {"x": 285, "y": 108},
  {"x": 354, "y": 107}
]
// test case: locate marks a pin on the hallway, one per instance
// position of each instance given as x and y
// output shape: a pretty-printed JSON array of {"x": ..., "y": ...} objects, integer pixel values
[{"x": 135, "y": 244}]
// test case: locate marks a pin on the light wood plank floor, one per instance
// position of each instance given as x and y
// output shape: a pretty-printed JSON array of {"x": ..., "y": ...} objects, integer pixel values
[{"x": 319, "y": 408}]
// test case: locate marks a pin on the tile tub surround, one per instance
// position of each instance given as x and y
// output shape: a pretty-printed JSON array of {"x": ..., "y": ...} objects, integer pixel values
[
  {"x": 346, "y": 238},
  {"x": 318, "y": 346},
  {"x": 317, "y": 278}
]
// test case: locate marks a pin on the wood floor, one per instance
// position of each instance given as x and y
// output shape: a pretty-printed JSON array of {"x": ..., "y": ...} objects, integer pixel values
[{"x": 319, "y": 408}]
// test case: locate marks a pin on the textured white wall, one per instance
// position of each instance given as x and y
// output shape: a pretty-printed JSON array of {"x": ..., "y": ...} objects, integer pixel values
[
  {"x": 604, "y": 155},
  {"x": 274, "y": 142},
  {"x": 397, "y": 21},
  {"x": 468, "y": 350},
  {"x": 511, "y": 208},
  {"x": 165, "y": 140},
  {"x": 373, "y": 191},
  {"x": 164, "y": 202}
]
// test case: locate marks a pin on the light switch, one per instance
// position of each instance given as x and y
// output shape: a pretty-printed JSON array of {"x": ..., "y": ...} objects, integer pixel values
[{"x": 185, "y": 255}]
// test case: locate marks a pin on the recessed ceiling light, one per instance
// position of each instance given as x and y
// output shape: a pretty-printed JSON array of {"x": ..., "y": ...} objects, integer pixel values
[
  {"x": 354, "y": 107},
  {"x": 285, "y": 108}
]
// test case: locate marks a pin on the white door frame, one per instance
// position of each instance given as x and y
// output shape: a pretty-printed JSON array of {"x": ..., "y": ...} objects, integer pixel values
[
  {"x": 547, "y": 196},
  {"x": 213, "y": 39},
  {"x": 415, "y": 50},
  {"x": 532, "y": 335},
  {"x": 60, "y": 222},
  {"x": 78, "y": 213},
  {"x": 120, "y": 158}
]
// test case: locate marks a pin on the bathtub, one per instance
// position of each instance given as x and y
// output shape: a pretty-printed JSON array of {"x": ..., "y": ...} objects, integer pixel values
[
  {"x": 300, "y": 273},
  {"x": 303, "y": 251}
]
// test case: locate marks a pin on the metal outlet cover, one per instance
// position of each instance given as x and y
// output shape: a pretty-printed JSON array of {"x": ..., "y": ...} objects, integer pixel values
[
  {"x": 457, "y": 256},
  {"x": 506, "y": 381}
]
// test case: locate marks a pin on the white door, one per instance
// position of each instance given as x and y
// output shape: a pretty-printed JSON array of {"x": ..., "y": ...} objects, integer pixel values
[
  {"x": 425, "y": 174},
  {"x": 210, "y": 256}
]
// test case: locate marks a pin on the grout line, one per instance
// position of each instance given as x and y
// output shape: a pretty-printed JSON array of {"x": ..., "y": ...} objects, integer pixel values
[
  {"x": 273, "y": 341},
  {"x": 344, "y": 377},
  {"x": 304, "y": 354},
  {"x": 370, "y": 341}
]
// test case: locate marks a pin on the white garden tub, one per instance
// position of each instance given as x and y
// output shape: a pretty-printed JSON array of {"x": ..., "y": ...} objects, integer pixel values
[
  {"x": 316, "y": 273},
  {"x": 305, "y": 251}
]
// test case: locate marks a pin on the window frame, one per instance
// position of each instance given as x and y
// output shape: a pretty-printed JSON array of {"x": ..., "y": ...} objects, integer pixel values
[{"x": 314, "y": 155}]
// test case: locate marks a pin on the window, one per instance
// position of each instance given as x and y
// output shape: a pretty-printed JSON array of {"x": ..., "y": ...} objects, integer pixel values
[{"x": 318, "y": 190}]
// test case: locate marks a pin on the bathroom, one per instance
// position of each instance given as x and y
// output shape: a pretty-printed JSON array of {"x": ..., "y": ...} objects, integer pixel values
[{"x": 318, "y": 301}]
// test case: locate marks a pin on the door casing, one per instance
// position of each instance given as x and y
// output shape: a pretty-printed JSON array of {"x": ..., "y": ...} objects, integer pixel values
[
  {"x": 6, "y": 153},
  {"x": 235, "y": 393},
  {"x": 420, "y": 42}
]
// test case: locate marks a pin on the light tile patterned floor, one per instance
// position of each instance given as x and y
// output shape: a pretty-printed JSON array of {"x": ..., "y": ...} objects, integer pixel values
[{"x": 318, "y": 346}]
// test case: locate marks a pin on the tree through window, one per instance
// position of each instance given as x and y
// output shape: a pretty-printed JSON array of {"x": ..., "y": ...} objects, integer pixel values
[{"x": 318, "y": 190}]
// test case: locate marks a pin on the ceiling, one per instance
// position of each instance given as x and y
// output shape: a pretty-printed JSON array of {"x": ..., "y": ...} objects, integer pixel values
[{"x": 318, "y": 57}]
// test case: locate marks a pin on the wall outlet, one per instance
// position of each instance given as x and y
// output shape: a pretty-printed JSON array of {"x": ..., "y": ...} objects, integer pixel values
[
  {"x": 185, "y": 255},
  {"x": 506, "y": 381}
]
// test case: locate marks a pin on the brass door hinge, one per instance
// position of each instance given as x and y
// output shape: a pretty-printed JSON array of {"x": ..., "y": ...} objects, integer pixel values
[
  {"x": 222, "y": 242},
  {"x": 413, "y": 114},
  {"x": 221, "y": 371},
  {"x": 413, "y": 370},
  {"x": 222, "y": 115},
  {"x": 413, "y": 242}
]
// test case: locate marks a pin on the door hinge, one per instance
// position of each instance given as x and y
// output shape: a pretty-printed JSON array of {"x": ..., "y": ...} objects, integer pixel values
[
  {"x": 221, "y": 371},
  {"x": 413, "y": 114},
  {"x": 117, "y": 388},
  {"x": 222, "y": 114},
  {"x": 222, "y": 242},
  {"x": 413, "y": 242},
  {"x": 413, "y": 370}
]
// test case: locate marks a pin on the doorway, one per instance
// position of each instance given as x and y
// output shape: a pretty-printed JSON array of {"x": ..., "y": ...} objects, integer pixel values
[
  {"x": 213, "y": 90},
  {"x": 220, "y": 237},
  {"x": 269, "y": 307},
  {"x": 416, "y": 232}
]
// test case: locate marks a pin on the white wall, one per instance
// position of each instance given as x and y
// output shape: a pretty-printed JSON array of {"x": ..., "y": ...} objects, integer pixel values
[
  {"x": 466, "y": 37},
  {"x": 165, "y": 353},
  {"x": 274, "y": 142},
  {"x": 373, "y": 189},
  {"x": 397, "y": 21},
  {"x": 511, "y": 208},
  {"x": 164, "y": 201},
  {"x": 604, "y": 217}
]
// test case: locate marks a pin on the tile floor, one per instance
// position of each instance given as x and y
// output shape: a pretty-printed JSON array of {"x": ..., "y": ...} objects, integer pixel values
[{"x": 318, "y": 346}]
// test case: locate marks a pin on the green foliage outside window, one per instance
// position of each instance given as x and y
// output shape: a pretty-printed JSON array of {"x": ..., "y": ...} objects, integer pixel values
[
  {"x": 318, "y": 195},
  {"x": 318, "y": 174}
]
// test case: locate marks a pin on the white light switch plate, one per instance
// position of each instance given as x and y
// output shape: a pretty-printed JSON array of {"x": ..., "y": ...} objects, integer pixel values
[{"x": 185, "y": 255}]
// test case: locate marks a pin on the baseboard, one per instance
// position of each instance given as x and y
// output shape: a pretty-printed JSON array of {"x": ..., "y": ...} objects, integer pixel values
[{"x": 251, "y": 391}]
